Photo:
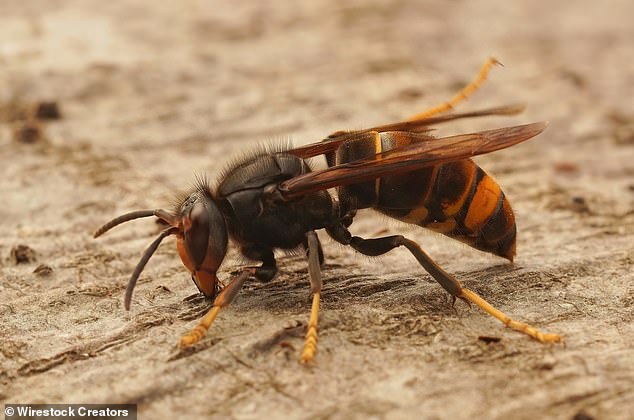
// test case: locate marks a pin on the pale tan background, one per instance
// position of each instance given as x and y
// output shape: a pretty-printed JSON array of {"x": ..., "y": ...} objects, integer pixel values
[{"x": 154, "y": 92}]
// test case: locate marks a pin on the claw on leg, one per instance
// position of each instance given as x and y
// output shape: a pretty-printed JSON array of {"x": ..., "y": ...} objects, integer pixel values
[
  {"x": 516, "y": 325},
  {"x": 310, "y": 345},
  {"x": 463, "y": 94}
]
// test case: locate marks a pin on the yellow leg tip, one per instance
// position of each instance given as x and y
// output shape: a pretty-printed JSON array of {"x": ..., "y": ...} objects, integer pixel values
[
  {"x": 532, "y": 332},
  {"x": 310, "y": 346},
  {"x": 550, "y": 338},
  {"x": 186, "y": 341},
  {"x": 306, "y": 359},
  {"x": 189, "y": 340},
  {"x": 310, "y": 343},
  {"x": 193, "y": 337},
  {"x": 200, "y": 330},
  {"x": 308, "y": 355}
]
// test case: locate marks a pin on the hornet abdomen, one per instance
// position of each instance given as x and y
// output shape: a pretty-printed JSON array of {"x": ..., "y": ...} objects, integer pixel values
[{"x": 457, "y": 199}]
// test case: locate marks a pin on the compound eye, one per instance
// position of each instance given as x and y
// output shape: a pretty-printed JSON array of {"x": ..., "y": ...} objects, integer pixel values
[{"x": 196, "y": 232}]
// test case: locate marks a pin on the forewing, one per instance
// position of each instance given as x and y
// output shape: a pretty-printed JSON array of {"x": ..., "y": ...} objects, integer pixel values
[
  {"x": 333, "y": 141},
  {"x": 409, "y": 158}
]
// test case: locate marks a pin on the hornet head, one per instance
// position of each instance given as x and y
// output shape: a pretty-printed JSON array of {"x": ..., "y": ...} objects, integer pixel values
[{"x": 201, "y": 239}]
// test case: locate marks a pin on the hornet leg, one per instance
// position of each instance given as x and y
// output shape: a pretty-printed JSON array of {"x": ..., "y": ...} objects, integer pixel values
[
  {"x": 268, "y": 269},
  {"x": 379, "y": 246},
  {"x": 310, "y": 345},
  {"x": 462, "y": 95},
  {"x": 224, "y": 299}
]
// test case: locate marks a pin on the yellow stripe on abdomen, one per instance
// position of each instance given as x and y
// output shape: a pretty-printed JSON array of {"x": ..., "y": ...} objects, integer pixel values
[{"x": 483, "y": 204}]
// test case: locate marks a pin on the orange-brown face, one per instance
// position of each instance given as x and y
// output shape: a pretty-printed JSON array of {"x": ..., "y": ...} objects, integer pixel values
[{"x": 202, "y": 240}]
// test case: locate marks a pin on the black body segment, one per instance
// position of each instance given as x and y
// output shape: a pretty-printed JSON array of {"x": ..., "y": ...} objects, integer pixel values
[{"x": 258, "y": 219}]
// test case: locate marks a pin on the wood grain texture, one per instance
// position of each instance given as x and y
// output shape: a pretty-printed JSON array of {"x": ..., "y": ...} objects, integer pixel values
[{"x": 152, "y": 94}]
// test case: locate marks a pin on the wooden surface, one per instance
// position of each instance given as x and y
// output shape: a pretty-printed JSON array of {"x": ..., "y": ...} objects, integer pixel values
[{"x": 152, "y": 94}]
